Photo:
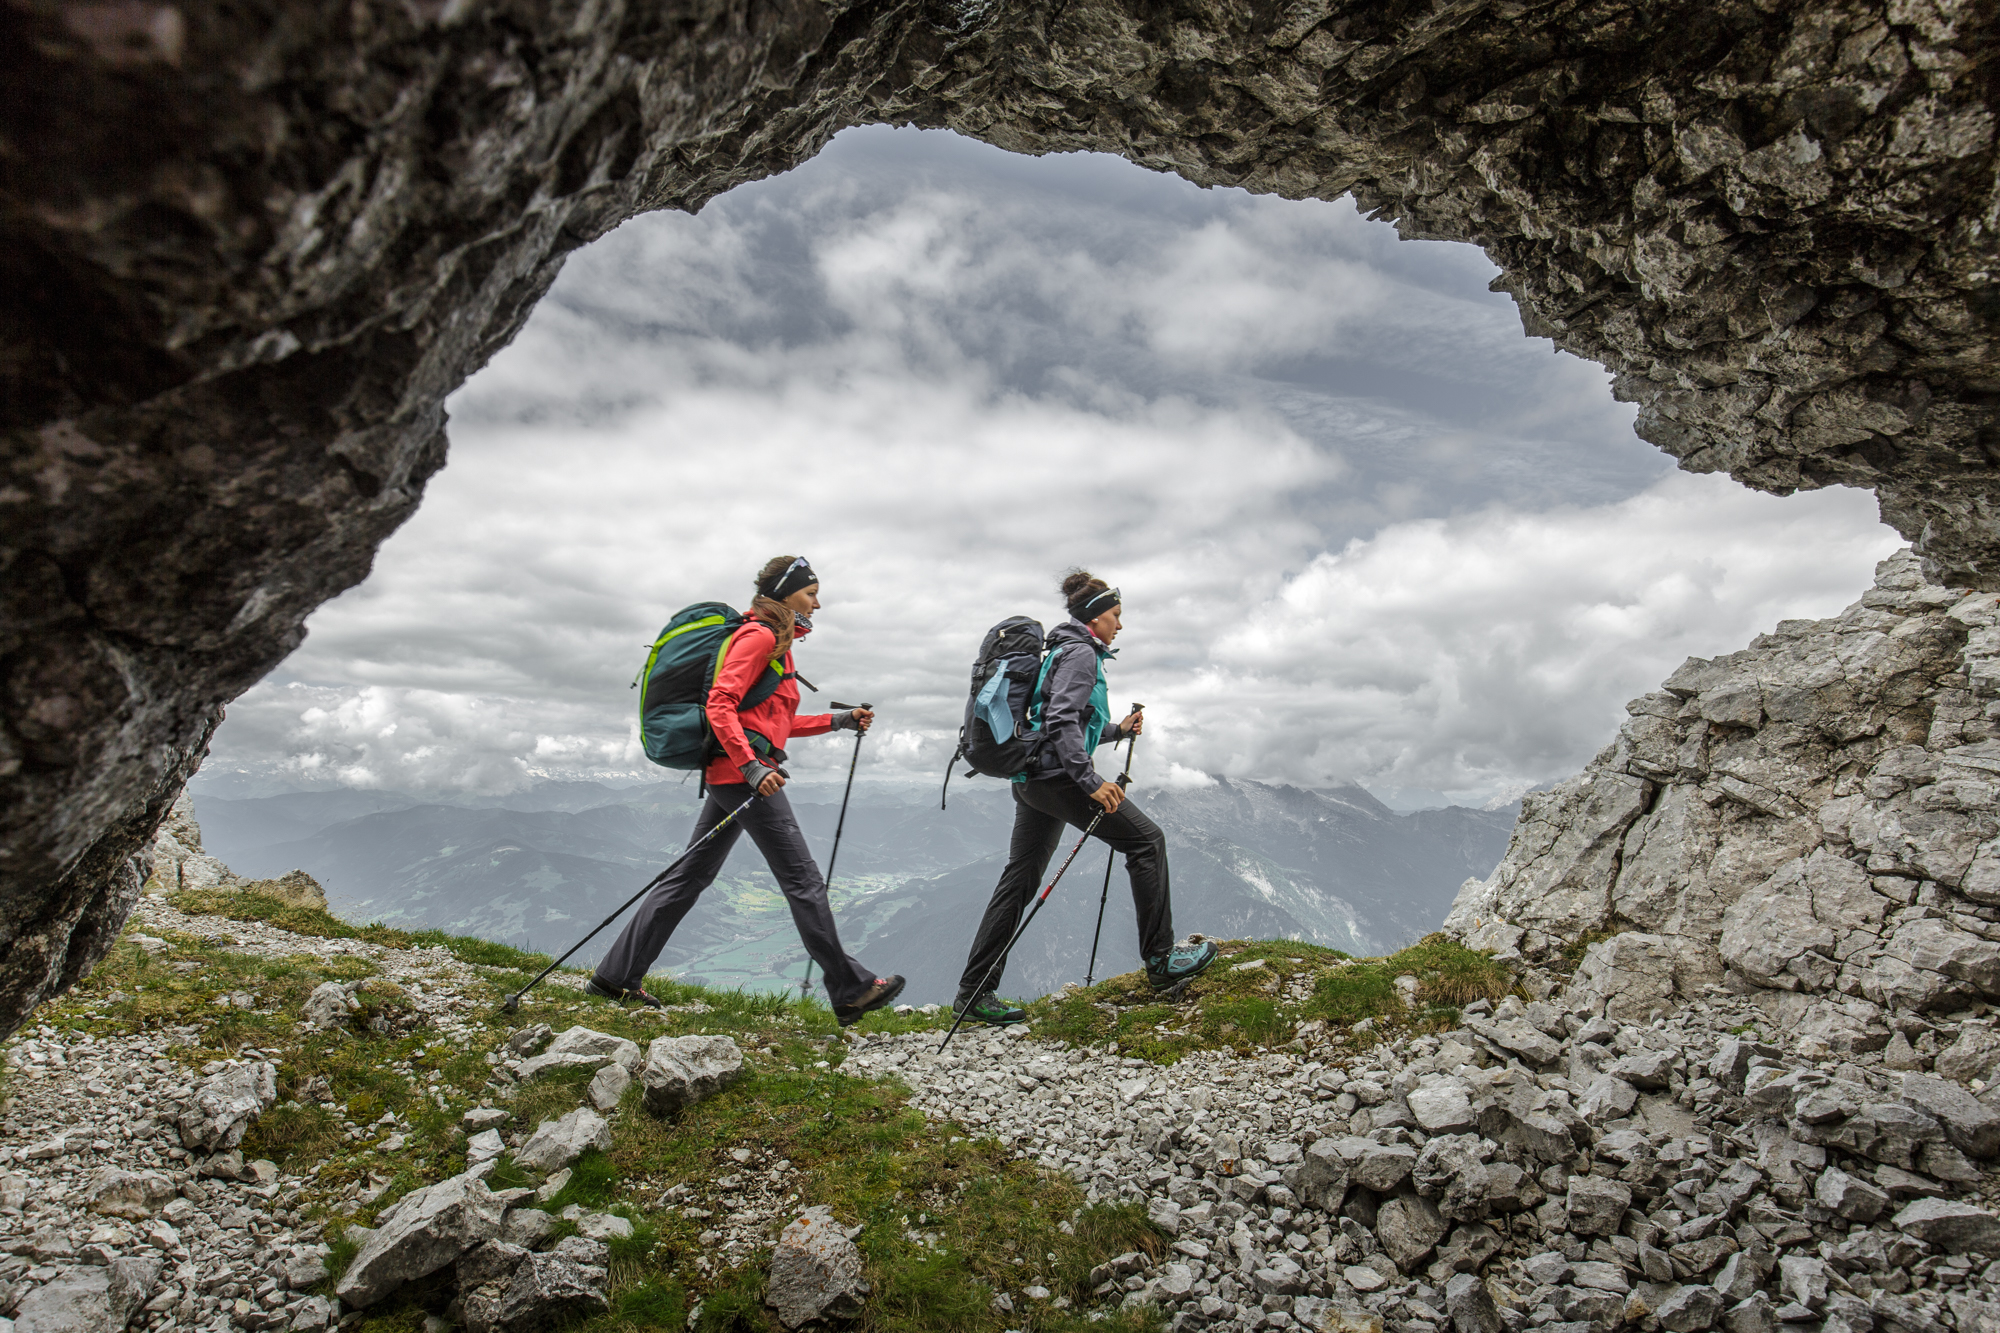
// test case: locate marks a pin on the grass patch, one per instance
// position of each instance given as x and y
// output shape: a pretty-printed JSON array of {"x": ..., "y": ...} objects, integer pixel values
[
  {"x": 1572, "y": 952},
  {"x": 593, "y": 1182},
  {"x": 1260, "y": 992}
]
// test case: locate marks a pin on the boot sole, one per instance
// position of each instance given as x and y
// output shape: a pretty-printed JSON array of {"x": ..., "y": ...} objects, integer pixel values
[{"x": 860, "y": 1012}]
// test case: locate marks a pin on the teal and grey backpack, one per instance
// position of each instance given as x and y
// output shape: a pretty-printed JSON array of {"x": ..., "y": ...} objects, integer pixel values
[{"x": 673, "y": 685}]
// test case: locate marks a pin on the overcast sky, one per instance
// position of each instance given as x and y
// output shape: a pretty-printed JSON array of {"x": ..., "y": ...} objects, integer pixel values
[{"x": 1366, "y": 530}]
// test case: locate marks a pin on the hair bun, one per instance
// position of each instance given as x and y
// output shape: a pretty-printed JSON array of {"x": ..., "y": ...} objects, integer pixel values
[{"x": 1078, "y": 581}]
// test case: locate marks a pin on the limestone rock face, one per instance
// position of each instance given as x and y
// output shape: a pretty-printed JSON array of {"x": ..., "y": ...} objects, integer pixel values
[
  {"x": 230, "y": 332},
  {"x": 1814, "y": 817}
]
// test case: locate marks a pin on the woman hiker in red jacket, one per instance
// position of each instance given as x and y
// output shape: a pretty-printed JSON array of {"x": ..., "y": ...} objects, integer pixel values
[{"x": 753, "y": 747}]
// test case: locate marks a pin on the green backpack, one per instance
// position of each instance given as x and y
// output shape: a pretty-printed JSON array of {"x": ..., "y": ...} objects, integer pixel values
[{"x": 673, "y": 685}]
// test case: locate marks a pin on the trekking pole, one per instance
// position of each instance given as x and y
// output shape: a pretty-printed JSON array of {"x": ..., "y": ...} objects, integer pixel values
[
  {"x": 514, "y": 1001},
  {"x": 1090, "y": 973},
  {"x": 1090, "y": 829},
  {"x": 805, "y": 982}
]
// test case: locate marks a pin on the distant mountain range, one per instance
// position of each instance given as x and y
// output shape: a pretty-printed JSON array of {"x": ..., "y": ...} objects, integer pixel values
[{"x": 538, "y": 869}]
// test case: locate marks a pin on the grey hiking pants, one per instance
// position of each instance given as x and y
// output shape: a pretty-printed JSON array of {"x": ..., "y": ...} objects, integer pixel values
[
  {"x": 1041, "y": 809},
  {"x": 775, "y": 830}
]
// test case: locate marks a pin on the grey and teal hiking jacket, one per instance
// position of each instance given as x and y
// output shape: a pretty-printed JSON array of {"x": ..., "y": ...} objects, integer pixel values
[{"x": 1072, "y": 705}]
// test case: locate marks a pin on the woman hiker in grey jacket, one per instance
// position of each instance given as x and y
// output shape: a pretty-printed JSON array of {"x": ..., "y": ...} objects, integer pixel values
[{"x": 1061, "y": 787}]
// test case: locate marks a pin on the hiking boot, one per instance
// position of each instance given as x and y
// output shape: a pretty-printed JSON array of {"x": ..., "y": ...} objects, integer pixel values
[
  {"x": 883, "y": 992},
  {"x": 1182, "y": 965},
  {"x": 634, "y": 995},
  {"x": 991, "y": 1010}
]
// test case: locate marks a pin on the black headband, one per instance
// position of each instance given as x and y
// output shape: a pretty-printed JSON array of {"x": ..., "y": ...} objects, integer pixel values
[
  {"x": 1096, "y": 605},
  {"x": 796, "y": 576}
]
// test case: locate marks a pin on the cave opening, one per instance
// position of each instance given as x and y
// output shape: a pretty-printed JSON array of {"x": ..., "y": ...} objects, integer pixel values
[{"x": 1347, "y": 498}]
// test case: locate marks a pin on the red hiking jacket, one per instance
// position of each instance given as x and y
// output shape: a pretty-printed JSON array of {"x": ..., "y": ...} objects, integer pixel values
[{"x": 775, "y": 719}]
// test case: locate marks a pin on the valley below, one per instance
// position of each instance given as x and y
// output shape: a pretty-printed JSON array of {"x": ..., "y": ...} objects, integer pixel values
[{"x": 538, "y": 869}]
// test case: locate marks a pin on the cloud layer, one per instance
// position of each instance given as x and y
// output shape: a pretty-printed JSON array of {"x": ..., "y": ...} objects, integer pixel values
[{"x": 1366, "y": 529}]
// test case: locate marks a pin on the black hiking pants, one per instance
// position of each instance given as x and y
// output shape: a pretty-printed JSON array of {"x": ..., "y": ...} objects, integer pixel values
[
  {"x": 1041, "y": 809},
  {"x": 775, "y": 830}
]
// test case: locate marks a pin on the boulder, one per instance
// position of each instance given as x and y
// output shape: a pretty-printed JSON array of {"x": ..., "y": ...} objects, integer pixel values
[
  {"x": 1626, "y": 977},
  {"x": 581, "y": 1046},
  {"x": 134, "y": 1279},
  {"x": 77, "y": 1301},
  {"x": 128, "y": 1194},
  {"x": 603, "y": 1226},
  {"x": 1409, "y": 1229},
  {"x": 1888, "y": 1132},
  {"x": 1956, "y": 1228},
  {"x": 492, "y": 1261},
  {"x": 523, "y": 1041},
  {"x": 557, "y": 1143},
  {"x": 226, "y": 1104},
  {"x": 1691, "y": 1309},
  {"x": 426, "y": 1230},
  {"x": 816, "y": 1268},
  {"x": 330, "y": 1005},
  {"x": 1279, "y": 1275},
  {"x": 526, "y": 1227},
  {"x": 1854, "y": 1199},
  {"x": 305, "y": 1267},
  {"x": 294, "y": 888},
  {"x": 1971, "y": 1127},
  {"x": 543, "y": 1289},
  {"x": 1646, "y": 1070},
  {"x": 680, "y": 1071},
  {"x": 1443, "y": 1107},
  {"x": 1596, "y": 1206},
  {"x": 1607, "y": 1098},
  {"x": 1518, "y": 1036},
  {"x": 609, "y": 1086},
  {"x": 95, "y": 1299},
  {"x": 483, "y": 1147}
]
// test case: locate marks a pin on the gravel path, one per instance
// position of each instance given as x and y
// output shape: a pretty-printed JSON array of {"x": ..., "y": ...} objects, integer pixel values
[{"x": 1590, "y": 1170}]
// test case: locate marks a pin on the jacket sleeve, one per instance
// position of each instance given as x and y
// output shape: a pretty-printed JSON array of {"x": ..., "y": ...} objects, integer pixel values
[
  {"x": 748, "y": 656},
  {"x": 1065, "y": 709}
]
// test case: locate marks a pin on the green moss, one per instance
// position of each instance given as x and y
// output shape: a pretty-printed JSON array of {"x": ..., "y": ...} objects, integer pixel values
[
  {"x": 1349, "y": 994},
  {"x": 593, "y": 1182}
]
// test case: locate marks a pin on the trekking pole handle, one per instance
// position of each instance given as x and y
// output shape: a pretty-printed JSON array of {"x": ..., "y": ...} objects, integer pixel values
[{"x": 850, "y": 707}]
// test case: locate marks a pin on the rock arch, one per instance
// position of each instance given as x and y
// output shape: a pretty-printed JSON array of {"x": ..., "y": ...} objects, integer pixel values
[{"x": 248, "y": 250}]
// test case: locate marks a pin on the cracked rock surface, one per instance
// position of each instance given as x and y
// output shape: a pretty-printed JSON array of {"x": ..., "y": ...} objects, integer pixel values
[
  {"x": 1811, "y": 821},
  {"x": 249, "y": 252}
]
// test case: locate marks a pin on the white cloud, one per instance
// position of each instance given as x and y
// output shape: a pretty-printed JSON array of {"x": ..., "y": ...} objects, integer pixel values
[
  {"x": 1471, "y": 655},
  {"x": 1365, "y": 528}
]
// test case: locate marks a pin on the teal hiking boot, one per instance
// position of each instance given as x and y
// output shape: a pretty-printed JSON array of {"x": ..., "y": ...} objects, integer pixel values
[
  {"x": 1182, "y": 965},
  {"x": 991, "y": 1010}
]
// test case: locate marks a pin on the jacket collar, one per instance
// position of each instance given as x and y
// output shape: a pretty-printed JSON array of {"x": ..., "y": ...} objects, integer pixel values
[{"x": 1075, "y": 630}]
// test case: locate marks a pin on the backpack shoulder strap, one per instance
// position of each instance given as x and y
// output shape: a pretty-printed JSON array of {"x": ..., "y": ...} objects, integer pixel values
[
  {"x": 1040, "y": 696},
  {"x": 765, "y": 685}
]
